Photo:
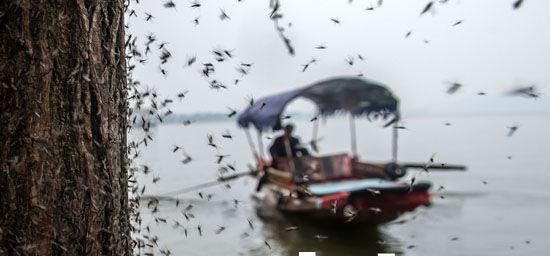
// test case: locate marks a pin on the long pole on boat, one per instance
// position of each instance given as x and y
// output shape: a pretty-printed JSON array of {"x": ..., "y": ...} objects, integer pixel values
[
  {"x": 218, "y": 181},
  {"x": 352, "y": 135},
  {"x": 395, "y": 133}
]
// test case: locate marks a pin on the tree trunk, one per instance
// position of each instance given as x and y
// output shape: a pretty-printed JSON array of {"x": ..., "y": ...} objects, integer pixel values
[{"x": 63, "y": 159}]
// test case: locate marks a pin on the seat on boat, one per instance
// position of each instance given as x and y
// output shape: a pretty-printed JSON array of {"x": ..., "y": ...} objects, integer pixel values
[
  {"x": 318, "y": 169},
  {"x": 368, "y": 170}
]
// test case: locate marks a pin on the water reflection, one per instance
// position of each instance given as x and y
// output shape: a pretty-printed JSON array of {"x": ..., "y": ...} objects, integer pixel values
[{"x": 325, "y": 239}]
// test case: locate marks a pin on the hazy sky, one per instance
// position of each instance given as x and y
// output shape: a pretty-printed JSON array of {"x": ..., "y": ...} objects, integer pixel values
[{"x": 494, "y": 50}]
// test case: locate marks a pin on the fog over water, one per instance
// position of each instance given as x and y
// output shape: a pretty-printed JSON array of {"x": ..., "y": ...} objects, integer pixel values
[{"x": 494, "y": 50}]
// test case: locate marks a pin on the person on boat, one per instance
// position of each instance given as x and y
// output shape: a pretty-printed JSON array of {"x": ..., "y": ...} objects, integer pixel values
[
  {"x": 286, "y": 145},
  {"x": 282, "y": 147}
]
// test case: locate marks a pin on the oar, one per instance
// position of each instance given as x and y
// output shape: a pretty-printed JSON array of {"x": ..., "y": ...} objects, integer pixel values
[
  {"x": 434, "y": 166},
  {"x": 221, "y": 179}
]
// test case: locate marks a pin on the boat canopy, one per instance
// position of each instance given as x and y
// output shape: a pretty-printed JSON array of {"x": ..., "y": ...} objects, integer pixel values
[{"x": 354, "y": 95}]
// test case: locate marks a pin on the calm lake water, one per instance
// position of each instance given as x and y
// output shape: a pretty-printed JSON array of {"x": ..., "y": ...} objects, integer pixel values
[{"x": 500, "y": 206}]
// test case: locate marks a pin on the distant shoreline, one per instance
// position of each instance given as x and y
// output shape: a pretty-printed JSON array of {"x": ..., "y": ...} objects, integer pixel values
[{"x": 210, "y": 117}]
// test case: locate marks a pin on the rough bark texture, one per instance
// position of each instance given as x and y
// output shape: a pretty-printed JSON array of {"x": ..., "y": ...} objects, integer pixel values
[{"x": 63, "y": 177}]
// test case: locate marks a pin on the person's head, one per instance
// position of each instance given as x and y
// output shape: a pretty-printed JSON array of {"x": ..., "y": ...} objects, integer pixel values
[{"x": 289, "y": 128}]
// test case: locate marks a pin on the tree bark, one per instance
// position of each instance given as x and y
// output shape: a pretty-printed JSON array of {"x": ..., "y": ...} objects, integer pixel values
[{"x": 63, "y": 107}]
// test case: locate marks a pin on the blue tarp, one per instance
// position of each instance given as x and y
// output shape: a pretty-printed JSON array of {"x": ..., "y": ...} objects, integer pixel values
[
  {"x": 265, "y": 113},
  {"x": 357, "y": 96}
]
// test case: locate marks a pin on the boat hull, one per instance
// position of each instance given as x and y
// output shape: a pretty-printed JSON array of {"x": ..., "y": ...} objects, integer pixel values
[{"x": 361, "y": 207}]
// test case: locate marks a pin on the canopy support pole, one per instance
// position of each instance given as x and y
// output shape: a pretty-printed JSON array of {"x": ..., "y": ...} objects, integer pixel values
[
  {"x": 395, "y": 133},
  {"x": 289, "y": 155},
  {"x": 251, "y": 143},
  {"x": 314, "y": 134},
  {"x": 260, "y": 144},
  {"x": 352, "y": 135},
  {"x": 315, "y": 130}
]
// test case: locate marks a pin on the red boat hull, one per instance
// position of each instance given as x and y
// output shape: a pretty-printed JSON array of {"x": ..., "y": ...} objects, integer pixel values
[{"x": 367, "y": 209}]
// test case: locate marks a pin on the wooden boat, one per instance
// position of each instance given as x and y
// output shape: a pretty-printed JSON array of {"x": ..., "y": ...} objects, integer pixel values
[{"x": 339, "y": 187}]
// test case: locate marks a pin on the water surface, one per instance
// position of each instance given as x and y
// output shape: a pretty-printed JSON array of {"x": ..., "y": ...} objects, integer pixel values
[{"x": 500, "y": 206}]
